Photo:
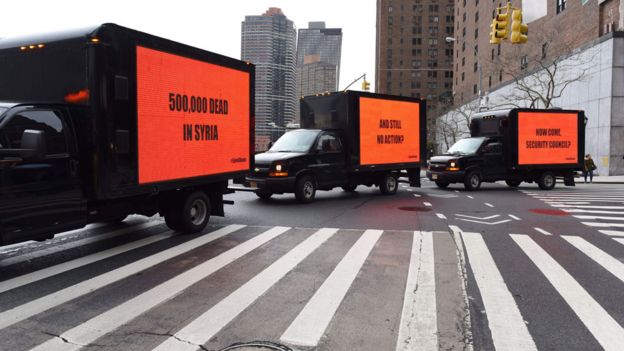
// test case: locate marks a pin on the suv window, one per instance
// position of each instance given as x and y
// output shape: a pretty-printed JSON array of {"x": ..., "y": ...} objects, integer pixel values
[
  {"x": 49, "y": 122},
  {"x": 329, "y": 143}
]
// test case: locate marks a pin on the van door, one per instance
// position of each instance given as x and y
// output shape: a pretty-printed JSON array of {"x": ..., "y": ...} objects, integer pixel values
[
  {"x": 40, "y": 190},
  {"x": 495, "y": 166},
  {"x": 331, "y": 168}
]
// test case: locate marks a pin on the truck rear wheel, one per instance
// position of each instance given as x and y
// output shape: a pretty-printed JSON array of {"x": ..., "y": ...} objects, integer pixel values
[
  {"x": 546, "y": 181},
  {"x": 305, "y": 189},
  {"x": 191, "y": 214},
  {"x": 472, "y": 181},
  {"x": 513, "y": 183},
  {"x": 389, "y": 184},
  {"x": 442, "y": 185}
]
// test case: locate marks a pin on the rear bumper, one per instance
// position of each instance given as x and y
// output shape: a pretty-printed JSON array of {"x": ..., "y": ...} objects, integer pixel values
[
  {"x": 272, "y": 185},
  {"x": 449, "y": 177}
]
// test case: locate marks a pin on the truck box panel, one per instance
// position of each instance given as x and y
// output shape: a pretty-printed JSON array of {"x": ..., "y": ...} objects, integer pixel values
[
  {"x": 193, "y": 117},
  {"x": 547, "y": 138}
]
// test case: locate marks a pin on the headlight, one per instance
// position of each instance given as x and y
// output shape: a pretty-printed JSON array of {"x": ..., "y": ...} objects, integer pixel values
[
  {"x": 278, "y": 168},
  {"x": 452, "y": 164}
]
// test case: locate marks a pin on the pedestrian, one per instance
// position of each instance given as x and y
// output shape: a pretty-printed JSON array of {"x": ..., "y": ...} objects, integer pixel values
[{"x": 588, "y": 167}]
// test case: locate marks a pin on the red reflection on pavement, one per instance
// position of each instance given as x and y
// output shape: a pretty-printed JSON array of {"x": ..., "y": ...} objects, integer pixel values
[{"x": 549, "y": 212}]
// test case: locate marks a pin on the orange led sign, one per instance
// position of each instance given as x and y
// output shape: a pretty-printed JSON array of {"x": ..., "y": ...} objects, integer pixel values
[
  {"x": 547, "y": 138},
  {"x": 193, "y": 117},
  {"x": 389, "y": 131}
]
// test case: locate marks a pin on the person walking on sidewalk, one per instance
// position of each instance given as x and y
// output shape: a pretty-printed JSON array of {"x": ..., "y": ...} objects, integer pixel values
[{"x": 588, "y": 167}]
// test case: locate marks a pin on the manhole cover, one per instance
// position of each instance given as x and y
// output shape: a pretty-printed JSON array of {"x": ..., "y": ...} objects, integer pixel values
[
  {"x": 549, "y": 212},
  {"x": 257, "y": 346},
  {"x": 414, "y": 209}
]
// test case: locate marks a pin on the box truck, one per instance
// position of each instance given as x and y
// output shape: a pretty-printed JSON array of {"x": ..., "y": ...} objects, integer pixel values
[
  {"x": 346, "y": 139},
  {"x": 103, "y": 122},
  {"x": 518, "y": 145}
]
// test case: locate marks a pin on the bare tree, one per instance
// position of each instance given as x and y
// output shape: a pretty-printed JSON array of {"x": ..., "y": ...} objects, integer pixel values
[{"x": 455, "y": 124}]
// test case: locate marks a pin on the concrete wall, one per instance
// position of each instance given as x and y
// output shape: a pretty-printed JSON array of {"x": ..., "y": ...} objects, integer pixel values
[{"x": 600, "y": 94}]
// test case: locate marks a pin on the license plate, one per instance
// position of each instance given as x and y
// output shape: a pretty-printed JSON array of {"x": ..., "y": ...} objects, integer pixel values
[
  {"x": 253, "y": 184},
  {"x": 434, "y": 176}
]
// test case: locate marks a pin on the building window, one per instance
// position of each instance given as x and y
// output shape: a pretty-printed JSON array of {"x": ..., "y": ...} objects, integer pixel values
[
  {"x": 464, "y": 46},
  {"x": 463, "y": 76},
  {"x": 500, "y": 76},
  {"x": 389, "y": 20},
  {"x": 476, "y": 67},
  {"x": 474, "y": 89},
  {"x": 477, "y": 16},
  {"x": 476, "y": 50},
  {"x": 492, "y": 54},
  {"x": 498, "y": 50},
  {"x": 524, "y": 62},
  {"x": 477, "y": 33},
  {"x": 464, "y": 17},
  {"x": 544, "y": 50},
  {"x": 464, "y": 32},
  {"x": 432, "y": 74},
  {"x": 561, "y": 5},
  {"x": 463, "y": 61},
  {"x": 490, "y": 82}
]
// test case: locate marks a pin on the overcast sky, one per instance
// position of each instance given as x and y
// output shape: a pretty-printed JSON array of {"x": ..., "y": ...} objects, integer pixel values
[{"x": 208, "y": 24}]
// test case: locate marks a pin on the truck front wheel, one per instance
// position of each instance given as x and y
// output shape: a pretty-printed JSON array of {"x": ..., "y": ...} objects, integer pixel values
[
  {"x": 305, "y": 189},
  {"x": 472, "y": 181},
  {"x": 442, "y": 185},
  {"x": 546, "y": 181},
  {"x": 191, "y": 214},
  {"x": 389, "y": 184}
]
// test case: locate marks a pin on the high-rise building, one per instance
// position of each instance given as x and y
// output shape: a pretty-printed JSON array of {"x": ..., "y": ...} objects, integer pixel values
[
  {"x": 572, "y": 59},
  {"x": 318, "y": 59},
  {"x": 268, "y": 41},
  {"x": 414, "y": 57}
]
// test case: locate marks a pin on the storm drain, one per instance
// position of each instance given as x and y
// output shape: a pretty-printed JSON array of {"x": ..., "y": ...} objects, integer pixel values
[{"x": 257, "y": 346}]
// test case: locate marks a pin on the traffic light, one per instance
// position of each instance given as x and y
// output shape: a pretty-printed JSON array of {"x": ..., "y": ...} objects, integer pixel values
[
  {"x": 519, "y": 30},
  {"x": 493, "y": 38},
  {"x": 499, "y": 27},
  {"x": 365, "y": 85}
]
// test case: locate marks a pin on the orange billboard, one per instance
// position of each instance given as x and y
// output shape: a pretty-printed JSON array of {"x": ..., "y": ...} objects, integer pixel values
[
  {"x": 547, "y": 138},
  {"x": 389, "y": 131},
  {"x": 193, "y": 117}
]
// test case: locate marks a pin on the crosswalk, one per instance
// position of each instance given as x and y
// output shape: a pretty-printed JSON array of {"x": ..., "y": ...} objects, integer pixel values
[
  {"x": 600, "y": 208},
  {"x": 223, "y": 282}
]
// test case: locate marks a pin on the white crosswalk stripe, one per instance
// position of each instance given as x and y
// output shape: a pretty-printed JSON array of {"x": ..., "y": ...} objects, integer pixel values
[
  {"x": 417, "y": 325},
  {"x": 589, "y": 207}
]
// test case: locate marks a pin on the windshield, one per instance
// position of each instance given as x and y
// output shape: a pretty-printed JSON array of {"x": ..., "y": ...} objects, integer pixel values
[
  {"x": 295, "y": 141},
  {"x": 466, "y": 146}
]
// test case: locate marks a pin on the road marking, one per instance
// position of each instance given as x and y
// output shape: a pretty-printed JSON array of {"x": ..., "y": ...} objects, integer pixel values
[
  {"x": 470, "y": 197},
  {"x": 612, "y": 232},
  {"x": 204, "y": 327},
  {"x": 409, "y": 189},
  {"x": 574, "y": 210},
  {"x": 461, "y": 268},
  {"x": 514, "y": 217},
  {"x": 600, "y": 217},
  {"x": 418, "y": 328},
  {"x": 112, "y": 319},
  {"x": 27, "y": 310},
  {"x": 509, "y": 332},
  {"x": 441, "y": 216},
  {"x": 79, "y": 262},
  {"x": 481, "y": 222},
  {"x": 311, "y": 323},
  {"x": 568, "y": 203},
  {"x": 542, "y": 231},
  {"x": 603, "y": 225},
  {"x": 416, "y": 195},
  {"x": 619, "y": 240},
  {"x": 456, "y": 191},
  {"x": 427, "y": 204},
  {"x": 609, "y": 263},
  {"x": 603, "y": 327},
  {"x": 473, "y": 217},
  {"x": 43, "y": 252},
  {"x": 597, "y": 207},
  {"x": 489, "y": 204}
]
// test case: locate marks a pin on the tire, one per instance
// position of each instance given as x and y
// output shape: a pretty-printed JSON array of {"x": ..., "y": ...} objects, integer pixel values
[
  {"x": 546, "y": 181},
  {"x": 349, "y": 188},
  {"x": 442, "y": 185},
  {"x": 264, "y": 196},
  {"x": 191, "y": 214},
  {"x": 472, "y": 181},
  {"x": 388, "y": 184},
  {"x": 513, "y": 183},
  {"x": 305, "y": 189}
]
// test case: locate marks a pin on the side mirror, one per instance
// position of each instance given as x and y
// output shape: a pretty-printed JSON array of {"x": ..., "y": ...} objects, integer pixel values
[{"x": 33, "y": 145}]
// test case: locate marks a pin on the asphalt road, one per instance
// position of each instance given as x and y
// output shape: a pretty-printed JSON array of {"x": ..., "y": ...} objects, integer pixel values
[{"x": 425, "y": 269}]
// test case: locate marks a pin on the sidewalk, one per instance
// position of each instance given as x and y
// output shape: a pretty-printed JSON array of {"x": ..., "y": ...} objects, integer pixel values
[{"x": 604, "y": 179}]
